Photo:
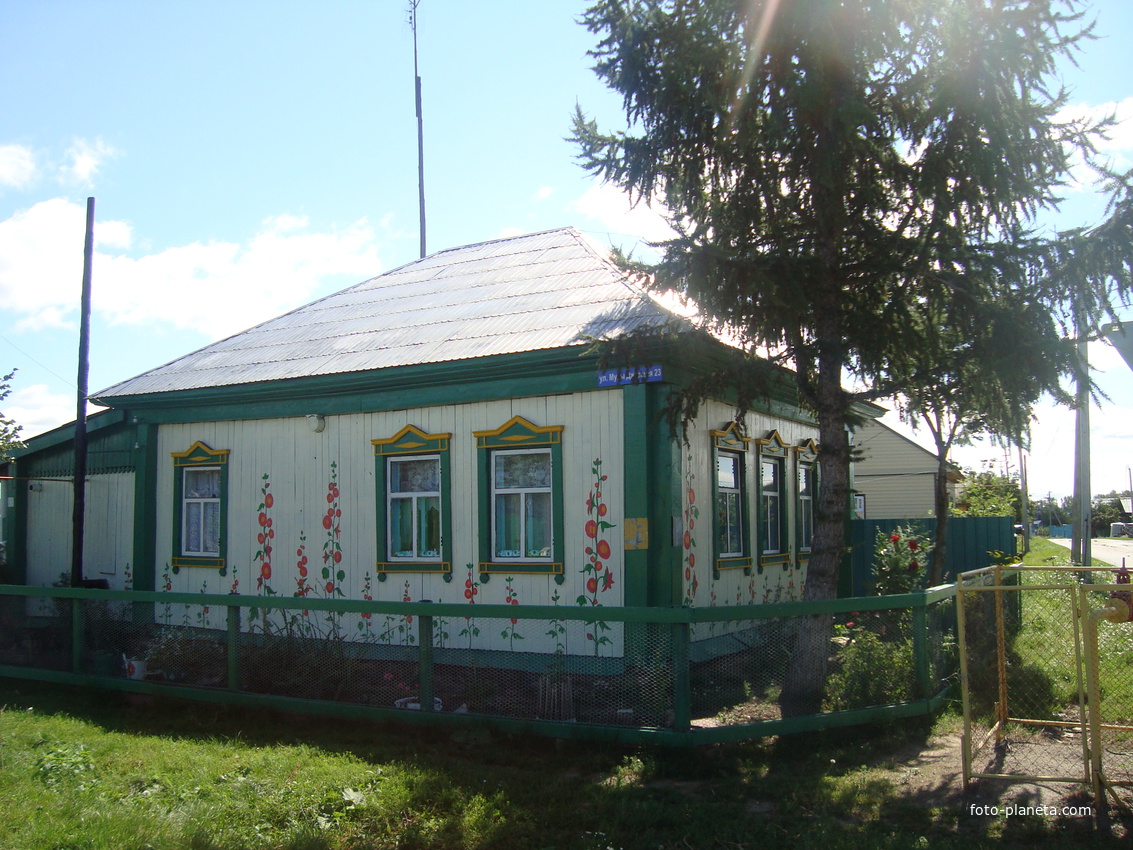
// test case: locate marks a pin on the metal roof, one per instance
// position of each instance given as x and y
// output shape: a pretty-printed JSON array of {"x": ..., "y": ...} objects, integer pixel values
[{"x": 527, "y": 293}]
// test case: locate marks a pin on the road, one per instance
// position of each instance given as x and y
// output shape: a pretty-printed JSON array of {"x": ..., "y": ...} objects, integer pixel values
[{"x": 1109, "y": 550}]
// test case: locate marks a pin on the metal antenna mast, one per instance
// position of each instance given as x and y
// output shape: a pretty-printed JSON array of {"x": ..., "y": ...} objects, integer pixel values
[{"x": 413, "y": 4}]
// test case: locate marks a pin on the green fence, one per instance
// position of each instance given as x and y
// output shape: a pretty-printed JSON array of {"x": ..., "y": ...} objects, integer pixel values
[
  {"x": 969, "y": 540},
  {"x": 671, "y": 676}
]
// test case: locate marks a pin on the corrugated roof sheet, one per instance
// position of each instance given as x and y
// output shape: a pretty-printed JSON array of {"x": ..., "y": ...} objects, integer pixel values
[{"x": 528, "y": 293}]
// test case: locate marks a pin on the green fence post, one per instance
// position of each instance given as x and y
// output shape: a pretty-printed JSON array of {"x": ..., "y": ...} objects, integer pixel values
[
  {"x": 78, "y": 635},
  {"x": 682, "y": 679},
  {"x": 233, "y": 647},
  {"x": 920, "y": 649},
  {"x": 425, "y": 659}
]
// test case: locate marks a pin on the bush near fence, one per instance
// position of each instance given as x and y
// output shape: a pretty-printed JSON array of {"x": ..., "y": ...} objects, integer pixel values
[
  {"x": 678, "y": 676},
  {"x": 969, "y": 542}
]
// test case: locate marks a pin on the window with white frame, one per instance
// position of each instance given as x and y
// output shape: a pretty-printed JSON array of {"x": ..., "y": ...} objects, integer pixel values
[
  {"x": 200, "y": 491},
  {"x": 413, "y": 493},
  {"x": 414, "y": 503},
  {"x": 729, "y": 505},
  {"x": 522, "y": 505},
  {"x": 519, "y": 505},
  {"x": 807, "y": 487},
  {"x": 200, "y": 517},
  {"x": 771, "y": 505}
]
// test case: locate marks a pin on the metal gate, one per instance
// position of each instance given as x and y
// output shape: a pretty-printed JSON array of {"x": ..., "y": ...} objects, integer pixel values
[{"x": 1046, "y": 665}]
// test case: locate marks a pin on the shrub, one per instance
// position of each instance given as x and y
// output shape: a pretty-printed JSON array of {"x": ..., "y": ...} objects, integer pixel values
[{"x": 900, "y": 560}]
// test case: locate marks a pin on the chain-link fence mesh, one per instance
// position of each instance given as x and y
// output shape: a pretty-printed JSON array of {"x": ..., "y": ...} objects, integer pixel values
[
  {"x": 1111, "y": 682},
  {"x": 1025, "y": 675},
  {"x": 608, "y": 668}
]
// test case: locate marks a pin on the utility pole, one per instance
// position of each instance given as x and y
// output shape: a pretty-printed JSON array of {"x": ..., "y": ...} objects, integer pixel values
[
  {"x": 78, "y": 513},
  {"x": 413, "y": 4}
]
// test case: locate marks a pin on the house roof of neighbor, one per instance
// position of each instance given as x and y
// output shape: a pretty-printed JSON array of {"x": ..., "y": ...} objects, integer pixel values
[{"x": 526, "y": 293}]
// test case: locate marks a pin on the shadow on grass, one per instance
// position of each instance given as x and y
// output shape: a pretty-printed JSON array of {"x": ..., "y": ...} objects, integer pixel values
[{"x": 475, "y": 789}]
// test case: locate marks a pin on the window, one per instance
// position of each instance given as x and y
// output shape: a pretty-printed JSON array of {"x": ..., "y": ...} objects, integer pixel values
[
  {"x": 772, "y": 519},
  {"x": 413, "y": 503},
  {"x": 200, "y": 518},
  {"x": 414, "y": 489},
  {"x": 520, "y": 499},
  {"x": 731, "y": 526},
  {"x": 807, "y": 490},
  {"x": 200, "y": 524},
  {"x": 729, "y": 505},
  {"x": 771, "y": 505},
  {"x": 521, "y": 505}
]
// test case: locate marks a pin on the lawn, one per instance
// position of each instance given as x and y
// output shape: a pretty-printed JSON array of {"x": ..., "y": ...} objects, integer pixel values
[{"x": 92, "y": 770}]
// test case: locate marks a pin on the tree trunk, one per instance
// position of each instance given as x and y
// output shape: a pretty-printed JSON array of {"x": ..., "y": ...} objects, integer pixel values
[
  {"x": 805, "y": 682},
  {"x": 940, "y": 500}
]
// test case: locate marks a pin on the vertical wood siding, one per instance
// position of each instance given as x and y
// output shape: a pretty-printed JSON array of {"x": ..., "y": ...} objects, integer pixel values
[
  {"x": 298, "y": 464},
  {"x": 774, "y": 583},
  {"x": 108, "y": 530}
]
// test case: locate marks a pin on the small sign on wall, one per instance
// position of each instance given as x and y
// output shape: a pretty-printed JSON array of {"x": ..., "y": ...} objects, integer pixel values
[
  {"x": 631, "y": 375},
  {"x": 636, "y": 533}
]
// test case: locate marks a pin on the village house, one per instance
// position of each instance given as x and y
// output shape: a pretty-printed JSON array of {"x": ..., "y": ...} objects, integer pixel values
[{"x": 442, "y": 431}]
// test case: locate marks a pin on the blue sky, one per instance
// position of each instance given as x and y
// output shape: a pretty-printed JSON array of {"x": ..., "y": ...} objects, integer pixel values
[{"x": 249, "y": 157}]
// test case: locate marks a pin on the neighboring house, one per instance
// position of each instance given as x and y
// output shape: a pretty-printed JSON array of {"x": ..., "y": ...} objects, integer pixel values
[
  {"x": 894, "y": 478},
  {"x": 444, "y": 432}
]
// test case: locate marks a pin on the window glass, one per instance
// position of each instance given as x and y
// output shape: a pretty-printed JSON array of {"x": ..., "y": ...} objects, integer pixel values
[
  {"x": 414, "y": 508},
  {"x": 729, "y": 505},
  {"x": 770, "y": 507},
  {"x": 806, "y": 506},
  {"x": 201, "y": 512},
  {"x": 522, "y": 505}
]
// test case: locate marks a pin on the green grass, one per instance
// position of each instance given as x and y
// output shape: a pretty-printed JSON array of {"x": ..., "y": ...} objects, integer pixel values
[{"x": 83, "y": 769}]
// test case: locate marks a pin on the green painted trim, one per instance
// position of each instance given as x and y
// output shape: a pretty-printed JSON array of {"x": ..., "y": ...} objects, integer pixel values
[
  {"x": 519, "y": 433},
  {"x": 17, "y": 549},
  {"x": 535, "y": 373},
  {"x": 199, "y": 455},
  {"x": 411, "y": 440},
  {"x": 636, "y": 445},
  {"x": 65, "y": 434},
  {"x": 722, "y": 613},
  {"x": 145, "y": 507},
  {"x": 726, "y": 441}
]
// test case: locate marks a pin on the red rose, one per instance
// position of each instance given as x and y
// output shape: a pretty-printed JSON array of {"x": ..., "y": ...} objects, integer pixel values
[
  {"x": 914, "y": 545},
  {"x": 895, "y": 538}
]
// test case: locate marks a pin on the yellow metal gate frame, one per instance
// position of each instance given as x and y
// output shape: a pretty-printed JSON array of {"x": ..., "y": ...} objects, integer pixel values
[{"x": 1085, "y": 621}]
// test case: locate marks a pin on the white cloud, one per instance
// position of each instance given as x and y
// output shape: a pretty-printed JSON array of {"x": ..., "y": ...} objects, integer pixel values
[
  {"x": 36, "y": 409},
  {"x": 217, "y": 288},
  {"x": 611, "y": 207},
  {"x": 17, "y": 166},
  {"x": 544, "y": 193},
  {"x": 83, "y": 159},
  {"x": 1116, "y": 150}
]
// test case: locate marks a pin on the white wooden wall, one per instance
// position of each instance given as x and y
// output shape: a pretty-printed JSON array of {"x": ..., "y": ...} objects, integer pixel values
[
  {"x": 108, "y": 529},
  {"x": 774, "y": 584},
  {"x": 298, "y": 464}
]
